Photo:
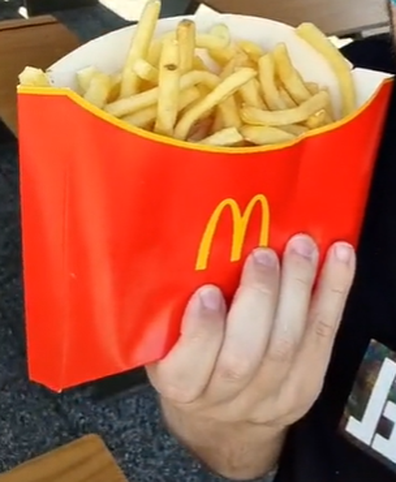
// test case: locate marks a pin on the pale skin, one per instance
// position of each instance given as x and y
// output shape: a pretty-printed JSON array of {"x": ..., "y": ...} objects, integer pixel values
[{"x": 239, "y": 378}]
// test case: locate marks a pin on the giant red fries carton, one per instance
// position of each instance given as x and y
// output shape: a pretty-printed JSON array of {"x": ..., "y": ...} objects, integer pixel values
[{"x": 120, "y": 226}]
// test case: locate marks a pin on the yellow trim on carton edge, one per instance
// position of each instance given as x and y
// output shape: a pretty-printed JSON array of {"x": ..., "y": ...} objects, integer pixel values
[{"x": 76, "y": 98}]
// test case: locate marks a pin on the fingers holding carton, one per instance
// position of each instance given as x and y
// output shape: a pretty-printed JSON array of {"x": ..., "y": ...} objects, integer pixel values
[{"x": 243, "y": 95}]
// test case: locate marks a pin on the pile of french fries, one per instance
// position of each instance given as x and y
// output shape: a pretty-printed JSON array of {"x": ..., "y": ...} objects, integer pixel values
[{"x": 245, "y": 97}]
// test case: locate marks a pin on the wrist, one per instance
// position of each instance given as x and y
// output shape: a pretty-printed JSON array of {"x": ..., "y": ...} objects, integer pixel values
[{"x": 240, "y": 451}]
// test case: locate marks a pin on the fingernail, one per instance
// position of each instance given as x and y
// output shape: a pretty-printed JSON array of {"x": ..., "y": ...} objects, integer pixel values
[
  {"x": 211, "y": 298},
  {"x": 343, "y": 252},
  {"x": 264, "y": 257},
  {"x": 303, "y": 246}
]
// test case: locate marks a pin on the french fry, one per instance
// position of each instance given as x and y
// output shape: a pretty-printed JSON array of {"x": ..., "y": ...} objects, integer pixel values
[
  {"x": 218, "y": 121},
  {"x": 252, "y": 50},
  {"x": 169, "y": 88},
  {"x": 262, "y": 135},
  {"x": 124, "y": 107},
  {"x": 185, "y": 35},
  {"x": 147, "y": 116},
  {"x": 288, "y": 101},
  {"x": 226, "y": 137},
  {"x": 115, "y": 87},
  {"x": 289, "y": 76},
  {"x": 165, "y": 85},
  {"x": 299, "y": 114},
  {"x": 205, "y": 41},
  {"x": 198, "y": 63},
  {"x": 224, "y": 90},
  {"x": 222, "y": 56},
  {"x": 34, "y": 77},
  {"x": 201, "y": 129},
  {"x": 154, "y": 53},
  {"x": 84, "y": 78},
  {"x": 99, "y": 90},
  {"x": 146, "y": 71},
  {"x": 250, "y": 94},
  {"x": 295, "y": 129},
  {"x": 228, "y": 109},
  {"x": 269, "y": 88},
  {"x": 221, "y": 30},
  {"x": 319, "y": 119},
  {"x": 314, "y": 37},
  {"x": 312, "y": 87},
  {"x": 140, "y": 47}
]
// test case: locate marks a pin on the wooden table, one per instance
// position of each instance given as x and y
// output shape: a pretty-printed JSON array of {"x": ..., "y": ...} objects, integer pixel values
[
  {"x": 40, "y": 7},
  {"x": 38, "y": 42},
  {"x": 334, "y": 17},
  {"x": 85, "y": 460}
]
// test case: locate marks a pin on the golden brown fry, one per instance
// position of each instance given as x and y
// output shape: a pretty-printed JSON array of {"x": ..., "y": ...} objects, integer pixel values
[
  {"x": 33, "y": 77},
  {"x": 339, "y": 64},
  {"x": 226, "y": 88},
  {"x": 140, "y": 47},
  {"x": 124, "y": 107},
  {"x": 147, "y": 116},
  {"x": 99, "y": 90},
  {"x": 169, "y": 88},
  {"x": 254, "y": 116},
  {"x": 226, "y": 137},
  {"x": 185, "y": 35},
  {"x": 269, "y": 88},
  {"x": 262, "y": 135}
]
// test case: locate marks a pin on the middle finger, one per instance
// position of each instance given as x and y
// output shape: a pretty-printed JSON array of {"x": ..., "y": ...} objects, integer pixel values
[
  {"x": 248, "y": 326},
  {"x": 299, "y": 268}
]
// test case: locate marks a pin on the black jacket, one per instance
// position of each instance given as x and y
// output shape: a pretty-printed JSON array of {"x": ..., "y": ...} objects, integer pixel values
[{"x": 320, "y": 449}]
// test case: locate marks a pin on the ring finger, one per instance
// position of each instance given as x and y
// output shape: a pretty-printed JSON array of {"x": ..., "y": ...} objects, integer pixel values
[{"x": 248, "y": 326}]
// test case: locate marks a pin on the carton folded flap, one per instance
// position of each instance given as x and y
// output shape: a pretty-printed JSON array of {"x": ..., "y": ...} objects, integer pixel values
[{"x": 85, "y": 460}]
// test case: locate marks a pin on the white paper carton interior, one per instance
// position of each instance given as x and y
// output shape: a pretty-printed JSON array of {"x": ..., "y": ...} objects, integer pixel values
[{"x": 108, "y": 53}]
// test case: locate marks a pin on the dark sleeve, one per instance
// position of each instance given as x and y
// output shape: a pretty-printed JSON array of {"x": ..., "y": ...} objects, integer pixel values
[{"x": 375, "y": 53}]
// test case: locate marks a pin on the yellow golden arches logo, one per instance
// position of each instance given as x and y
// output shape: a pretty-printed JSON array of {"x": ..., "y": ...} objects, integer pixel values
[{"x": 240, "y": 223}]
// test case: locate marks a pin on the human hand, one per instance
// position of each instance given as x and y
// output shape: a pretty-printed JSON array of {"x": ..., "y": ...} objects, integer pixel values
[{"x": 237, "y": 379}]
